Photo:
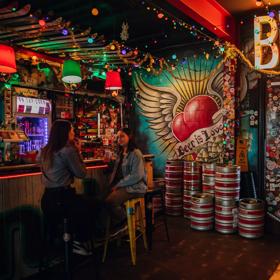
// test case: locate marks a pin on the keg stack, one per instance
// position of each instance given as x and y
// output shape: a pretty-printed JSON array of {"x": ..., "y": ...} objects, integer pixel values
[
  {"x": 174, "y": 187},
  {"x": 208, "y": 178},
  {"x": 226, "y": 216},
  {"x": 251, "y": 218},
  {"x": 192, "y": 184},
  {"x": 202, "y": 211},
  {"x": 227, "y": 189},
  {"x": 227, "y": 182}
]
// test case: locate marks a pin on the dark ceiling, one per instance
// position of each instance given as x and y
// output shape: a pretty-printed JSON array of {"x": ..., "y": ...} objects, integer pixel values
[{"x": 146, "y": 31}]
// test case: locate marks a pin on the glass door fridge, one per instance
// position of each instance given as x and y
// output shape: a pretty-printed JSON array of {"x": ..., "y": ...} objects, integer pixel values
[{"x": 33, "y": 116}]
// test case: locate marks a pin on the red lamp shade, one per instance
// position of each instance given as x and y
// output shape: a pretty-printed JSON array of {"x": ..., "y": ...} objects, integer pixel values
[
  {"x": 7, "y": 59},
  {"x": 113, "y": 81}
]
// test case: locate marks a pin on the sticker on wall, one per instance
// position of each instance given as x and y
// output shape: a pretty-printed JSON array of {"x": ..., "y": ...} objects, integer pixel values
[{"x": 272, "y": 164}]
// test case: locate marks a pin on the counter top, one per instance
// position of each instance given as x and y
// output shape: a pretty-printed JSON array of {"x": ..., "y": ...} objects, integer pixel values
[{"x": 32, "y": 169}]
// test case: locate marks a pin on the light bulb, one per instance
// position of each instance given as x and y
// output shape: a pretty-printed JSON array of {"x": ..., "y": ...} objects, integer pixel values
[{"x": 258, "y": 3}]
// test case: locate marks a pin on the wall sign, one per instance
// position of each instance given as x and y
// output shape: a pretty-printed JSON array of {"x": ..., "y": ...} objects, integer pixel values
[
  {"x": 26, "y": 105},
  {"x": 266, "y": 36},
  {"x": 242, "y": 154},
  {"x": 28, "y": 92}
]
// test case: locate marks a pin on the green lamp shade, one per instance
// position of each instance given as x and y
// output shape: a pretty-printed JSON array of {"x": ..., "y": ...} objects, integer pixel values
[{"x": 71, "y": 72}]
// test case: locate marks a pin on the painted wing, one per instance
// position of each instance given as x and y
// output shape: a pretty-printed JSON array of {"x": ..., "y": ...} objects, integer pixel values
[
  {"x": 215, "y": 86},
  {"x": 159, "y": 105}
]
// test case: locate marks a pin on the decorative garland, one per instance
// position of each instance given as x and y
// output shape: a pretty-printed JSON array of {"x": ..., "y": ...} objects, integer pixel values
[{"x": 229, "y": 105}]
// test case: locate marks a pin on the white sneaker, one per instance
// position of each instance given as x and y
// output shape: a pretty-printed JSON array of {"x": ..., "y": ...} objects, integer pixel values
[{"x": 81, "y": 249}]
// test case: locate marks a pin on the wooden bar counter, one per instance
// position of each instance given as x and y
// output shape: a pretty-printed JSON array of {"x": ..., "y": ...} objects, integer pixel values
[
  {"x": 22, "y": 184},
  {"x": 21, "y": 190}
]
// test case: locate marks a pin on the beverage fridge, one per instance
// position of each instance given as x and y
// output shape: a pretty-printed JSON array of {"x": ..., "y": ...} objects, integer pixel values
[{"x": 33, "y": 116}]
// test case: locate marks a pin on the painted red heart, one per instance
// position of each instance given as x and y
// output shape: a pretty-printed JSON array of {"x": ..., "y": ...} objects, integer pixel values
[
  {"x": 197, "y": 114},
  {"x": 179, "y": 128}
]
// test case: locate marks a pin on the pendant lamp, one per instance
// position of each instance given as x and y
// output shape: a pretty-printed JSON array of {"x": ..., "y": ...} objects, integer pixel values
[
  {"x": 113, "y": 81},
  {"x": 7, "y": 60},
  {"x": 71, "y": 72}
]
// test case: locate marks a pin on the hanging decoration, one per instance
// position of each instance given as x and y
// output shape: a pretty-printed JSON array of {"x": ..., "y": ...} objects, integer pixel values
[
  {"x": 124, "y": 34},
  {"x": 71, "y": 72},
  {"x": 113, "y": 80},
  {"x": 229, "y": 94},
  {"x": 7, "y": 60},
  {"x": 71, "y": 75},
  {"x": 177, "y": 23},
  {"x": 7, "y": 63}
]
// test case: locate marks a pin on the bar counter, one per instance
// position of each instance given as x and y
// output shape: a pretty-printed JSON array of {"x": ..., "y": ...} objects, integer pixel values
[
  {"x": 31, "y": 169},
  {"x": 21, "y": 190},
  {"x": 22, "y": 184}
]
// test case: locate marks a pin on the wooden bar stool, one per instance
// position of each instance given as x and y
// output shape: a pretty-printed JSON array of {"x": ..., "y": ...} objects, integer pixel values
[{"x": 135, "y": 210}]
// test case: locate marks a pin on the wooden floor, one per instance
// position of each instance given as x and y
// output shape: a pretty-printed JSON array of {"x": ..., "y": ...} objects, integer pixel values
[{"x": 191, "y": 255}]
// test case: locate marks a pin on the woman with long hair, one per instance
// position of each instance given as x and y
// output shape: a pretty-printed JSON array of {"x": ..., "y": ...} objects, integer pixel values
[
  {"x": 60, "y": 164},
  {"x": 128, "y": 179}
]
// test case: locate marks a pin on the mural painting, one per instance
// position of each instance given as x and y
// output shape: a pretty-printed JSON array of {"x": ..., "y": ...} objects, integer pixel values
[{"x": 183, "y": 111}]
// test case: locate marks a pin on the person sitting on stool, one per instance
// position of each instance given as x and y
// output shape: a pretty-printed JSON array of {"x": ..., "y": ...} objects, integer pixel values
[{"x": 128, "y": 179}]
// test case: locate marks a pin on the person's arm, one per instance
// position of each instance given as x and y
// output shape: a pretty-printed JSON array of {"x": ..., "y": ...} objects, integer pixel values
[
  {"x": 137, "y": 171},
  {"x": 74, "y": 162}
]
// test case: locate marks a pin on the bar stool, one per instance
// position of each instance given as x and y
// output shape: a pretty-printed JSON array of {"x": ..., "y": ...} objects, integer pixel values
[
  {"x": 150, "y": 215},
  {"x": 64, "y": 234},
  {"x": 135, "y": 210}
]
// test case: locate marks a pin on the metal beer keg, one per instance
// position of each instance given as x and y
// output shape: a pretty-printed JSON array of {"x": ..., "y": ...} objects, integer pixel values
[
  {"x": 251, "y": 218},
  {"x": 202, "y": 211}
]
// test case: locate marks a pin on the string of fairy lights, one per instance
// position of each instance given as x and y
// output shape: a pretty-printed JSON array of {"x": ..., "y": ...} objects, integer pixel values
[
  {"x": 225, "y": 49},
  {"x": 133, "y": 58}
]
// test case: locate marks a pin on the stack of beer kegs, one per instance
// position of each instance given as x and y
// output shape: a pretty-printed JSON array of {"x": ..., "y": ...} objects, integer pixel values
[
  {"x": 174, "y": 187},
  {"x": 192, "y": 184},
  {"x": 251, "y": 218},
  {"x": 208, "y": 178},
  {"x": 227, "y": 182},
  {"x": 227, "y": 189},
  {"x": 202, "y": 211}
]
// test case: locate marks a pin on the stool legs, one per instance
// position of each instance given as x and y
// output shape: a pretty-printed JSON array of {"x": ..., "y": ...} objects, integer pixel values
[
  {"x": 131, "y": 230},
  {"x": 107, "y": 238},
  {"x": 164, "y": 217},
  {"x": 142, "y": 226},
  {"x": 135, "y": 215},
  {"x": 149, "y": 220},
  {"x": 67, "y": 249}
]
